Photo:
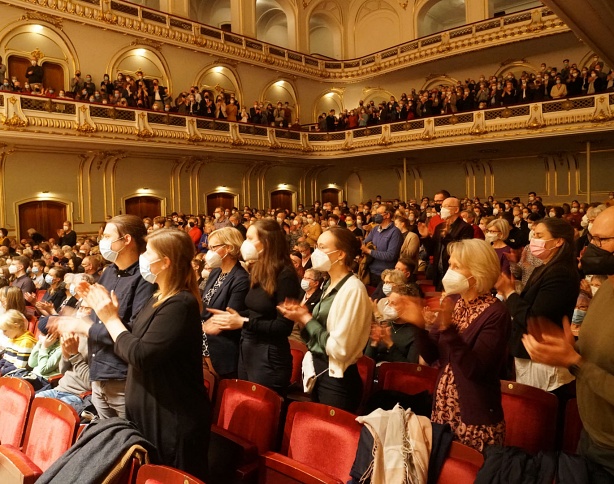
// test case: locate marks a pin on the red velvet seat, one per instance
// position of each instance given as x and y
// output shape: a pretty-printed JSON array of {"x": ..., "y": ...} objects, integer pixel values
[
  {"x": 39, "y": 294},
  {"x": 461, "y": 465},
  {"x": 530, "y": 417},
  {"x": 319, "y": 441},
  {"x": 210, "y": 383},
  {"x": 366, "y": 369},
  {"x": 15, "y": 398},
  {"x": 51, "y": 430},
  {"x": 573, "y": 427},
  {"x": 409, "y": 378},
  {"x": 153, "y": 474},
  {"x": 246, "y": 421},
  {"x": 298, "y": 351},
  {"x": 250, "y": 411}
]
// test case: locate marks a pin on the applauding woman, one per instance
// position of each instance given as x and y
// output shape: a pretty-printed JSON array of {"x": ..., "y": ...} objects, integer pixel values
[
  {"x": 264, "y": 356},
  {"x": 469, "y": 340},
  {"x": 338, "y": 329},
  {"x": 165, "y": 393}
]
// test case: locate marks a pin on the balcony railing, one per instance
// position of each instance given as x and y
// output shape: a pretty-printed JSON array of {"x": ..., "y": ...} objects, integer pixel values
[
  {"x": 170, "y": 28},
  {"x": 53, "y": 116}
]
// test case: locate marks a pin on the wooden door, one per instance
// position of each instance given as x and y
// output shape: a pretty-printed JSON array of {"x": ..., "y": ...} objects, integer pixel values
[
  {"x": 330, "y": 195},
  {"x": 281, "y": 199},
  {"x": 44, "y": 216},
  {"x": 143, "y": 207},
  {"x": 214, "y": 200},
  {"x": 54, "y": 76},
  {"x": 17, "y": 67}
]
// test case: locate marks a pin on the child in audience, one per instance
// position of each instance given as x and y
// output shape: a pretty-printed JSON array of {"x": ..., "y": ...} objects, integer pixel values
[{"x": 20, "y": 342}]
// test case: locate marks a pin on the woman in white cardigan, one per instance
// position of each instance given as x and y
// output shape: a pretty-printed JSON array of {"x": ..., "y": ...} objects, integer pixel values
[{"x": 338, "y": 330}]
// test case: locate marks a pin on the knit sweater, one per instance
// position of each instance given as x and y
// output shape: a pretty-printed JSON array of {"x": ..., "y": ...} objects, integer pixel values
[{"x": 18, "y": 350}]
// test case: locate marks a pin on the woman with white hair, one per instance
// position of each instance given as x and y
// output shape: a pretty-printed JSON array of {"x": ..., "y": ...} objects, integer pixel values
[
  {"x": 469, "y": 340},
  {"x": 497, "y": 232}
]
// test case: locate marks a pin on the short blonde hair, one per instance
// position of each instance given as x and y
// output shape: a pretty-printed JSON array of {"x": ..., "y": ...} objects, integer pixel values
[
  {"x": 13, "y": 319},
  {"x": 231, "y": 237},
  {"x": 502, "y": 226},
  {"x": 481, "y": 259},
  {"x": 396, "y": 277}
]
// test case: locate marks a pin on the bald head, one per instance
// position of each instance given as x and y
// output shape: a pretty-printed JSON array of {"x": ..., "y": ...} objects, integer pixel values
[{"x": 452, "y": 206}]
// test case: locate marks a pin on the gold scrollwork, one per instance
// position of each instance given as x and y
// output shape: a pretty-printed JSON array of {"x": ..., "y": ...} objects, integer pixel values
[
  {"x": 15, "y": 122},
  {"x": 86, "y": 128},
  {"x": 145, "y": 133}
]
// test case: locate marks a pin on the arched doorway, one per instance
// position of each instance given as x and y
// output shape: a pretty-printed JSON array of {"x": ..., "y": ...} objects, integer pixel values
[
  {"x": 214, "y": 200},
  {"x": 144, "y": 206},
  {"x": 331, "y": 195},
  {"x": 281, "y": 199},
  {"x": 43, "y": 215}
]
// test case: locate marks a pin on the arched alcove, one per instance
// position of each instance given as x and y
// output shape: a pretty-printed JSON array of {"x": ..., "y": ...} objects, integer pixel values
[
  {"x": 377, "y": 26},
  {"x": 505, "y": 7},
  {"x": 437, "y": 81},
  {"x": 44, "y": 214},
  {"x": 272, "y": 23},
  {"x": 326, "y": 101},
  {"x": 376, "y": 95},
  {"x": 438, "y": 15},
  {"x": 516, "y": 68},
  {"x": 284, "y": 91},
  {"x": 59, "y": 57},
  {"x": 220, "y": 79},
  {"x": 131, "y": 59},
  {"x": 215, "y": 13},
  {"x": 325, "y": 30}
]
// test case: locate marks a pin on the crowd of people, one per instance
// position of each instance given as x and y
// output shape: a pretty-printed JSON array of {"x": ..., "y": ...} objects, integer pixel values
[
  {"x": 131, "y": 312},
  {"x": 480, "y": 92}
]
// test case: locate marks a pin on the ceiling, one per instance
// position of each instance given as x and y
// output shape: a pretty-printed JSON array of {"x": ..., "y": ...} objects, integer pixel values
[{"x": 591, "y": 20}]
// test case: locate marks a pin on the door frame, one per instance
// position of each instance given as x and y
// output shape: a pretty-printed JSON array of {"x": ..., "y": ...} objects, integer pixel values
[
  {"x": 235, "y": 195},
  {"x": 151, "y": 195},
  {"x": 18, "y": 203},
  {"x": 287, "y": 188}
]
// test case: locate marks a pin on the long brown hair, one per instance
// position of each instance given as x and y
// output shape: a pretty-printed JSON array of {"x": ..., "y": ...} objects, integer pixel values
[
  {"x": 179, "y": 248},
  {"x": 14, "y": 299},
  {"x": 274, "y": 256}
]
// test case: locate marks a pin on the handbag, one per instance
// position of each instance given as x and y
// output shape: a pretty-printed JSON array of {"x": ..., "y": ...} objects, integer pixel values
[{"x": 309, "y": 373}]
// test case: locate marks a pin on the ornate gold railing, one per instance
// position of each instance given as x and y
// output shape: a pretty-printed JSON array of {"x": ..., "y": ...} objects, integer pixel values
[
  {"x": 22, "y": 115},
  {"x": 159, "y": 26}
]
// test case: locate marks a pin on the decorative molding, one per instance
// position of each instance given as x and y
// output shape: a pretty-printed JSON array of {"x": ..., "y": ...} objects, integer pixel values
[
  {"x": 148, "y": 42},
  {"x": 43, "y": 17}
]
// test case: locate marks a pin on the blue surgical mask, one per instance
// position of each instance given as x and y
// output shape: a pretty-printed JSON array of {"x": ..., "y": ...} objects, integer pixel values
[
  {"x": 378, "y": 218},
  {"x": 49, "y": 279},
  {"x": 387, "y": 289},
  {"x": 578, "y": 316}
]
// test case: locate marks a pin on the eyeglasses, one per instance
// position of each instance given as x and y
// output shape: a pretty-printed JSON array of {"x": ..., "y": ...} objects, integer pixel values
[
  {"x": 215, "y": 247},
  {"x": 598, "y": 240}
]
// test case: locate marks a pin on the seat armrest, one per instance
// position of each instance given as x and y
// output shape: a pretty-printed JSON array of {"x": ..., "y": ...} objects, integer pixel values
[{"x": 16, "y": 467}]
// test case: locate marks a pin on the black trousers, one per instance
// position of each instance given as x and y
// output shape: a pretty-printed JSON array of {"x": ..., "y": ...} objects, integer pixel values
[{"x": 344, "y": 393}]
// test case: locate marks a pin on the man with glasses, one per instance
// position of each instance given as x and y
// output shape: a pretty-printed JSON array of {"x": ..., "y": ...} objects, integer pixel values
[
  {"x": 452, "y": 229},
  {"x": 590, "y": 360}
]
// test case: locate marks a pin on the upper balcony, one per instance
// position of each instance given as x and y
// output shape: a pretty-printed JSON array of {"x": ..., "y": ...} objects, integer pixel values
[
  {"x": 23, "y": 117},
  {"x": 144, "y": 22}
]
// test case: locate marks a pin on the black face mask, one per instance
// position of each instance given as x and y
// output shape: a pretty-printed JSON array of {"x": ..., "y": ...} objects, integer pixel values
[{"x": 597, "y": 261}]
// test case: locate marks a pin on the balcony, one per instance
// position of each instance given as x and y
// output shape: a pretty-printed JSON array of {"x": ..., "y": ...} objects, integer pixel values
[
  {"x": 24, "y": 116},
  {"x": 159, "y": 26}
]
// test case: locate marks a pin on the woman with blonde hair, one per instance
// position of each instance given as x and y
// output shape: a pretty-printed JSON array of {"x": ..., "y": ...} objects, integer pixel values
[
  {"x": 226, "y": 287},
  {"x": 165, "y": 393},
  {"x": 497, "y": 232},
  {"x": 20, "y": 343},
  {"x": 469, "y": 339}
]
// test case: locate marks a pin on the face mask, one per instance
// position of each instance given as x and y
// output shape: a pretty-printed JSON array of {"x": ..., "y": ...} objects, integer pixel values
[
  {"x": 594, "y": 290},
  {"x": 295, "y": 222},
  {"x": 13, "y": 269},
  {"x": 445, "y": 213},
  {"x": 495, "y": 211},
  {"x": 349, "y": 223},
  {"x": 305, "y": 285},
  {"x": 584, "y": 221},
  {"x": 72, "y": 289},
  {"x": 145, "y": 269},
  {"x": 332, "y": 223},
  {"x": 552, "y": 214},
  {"x": 387, "y": 289},
  {"x": 378, "y": 218},
  {"x": 213, "y": 259},
  {"x": 578, "y": 316},
  {"x": 34, "y": 270},
  {"x": 516, "y": 220},
  {"x": 574, "y": 210},
  {"x": 454, "y": 282},
  {"x": 249, "y": 251},
  {"x": 590, "y": 226},
  {"x": 309, "y": 220},
  {"x": 320, "y": 260},
  {"x": 49, "y": 279},
  {"x": 390, "y": 314},
  {"x": 596, "y": 260},
  {"x": 205, "y": 274},
  {"x": 106, "y": 251},
  {"x": 217, "y": 215},
  {"x": 538, "y": 248},
  {"x": 491, "y": 238}
]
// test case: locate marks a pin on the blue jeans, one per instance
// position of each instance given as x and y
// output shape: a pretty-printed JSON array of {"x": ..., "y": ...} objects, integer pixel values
[{"x": 72, "y": 400}]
